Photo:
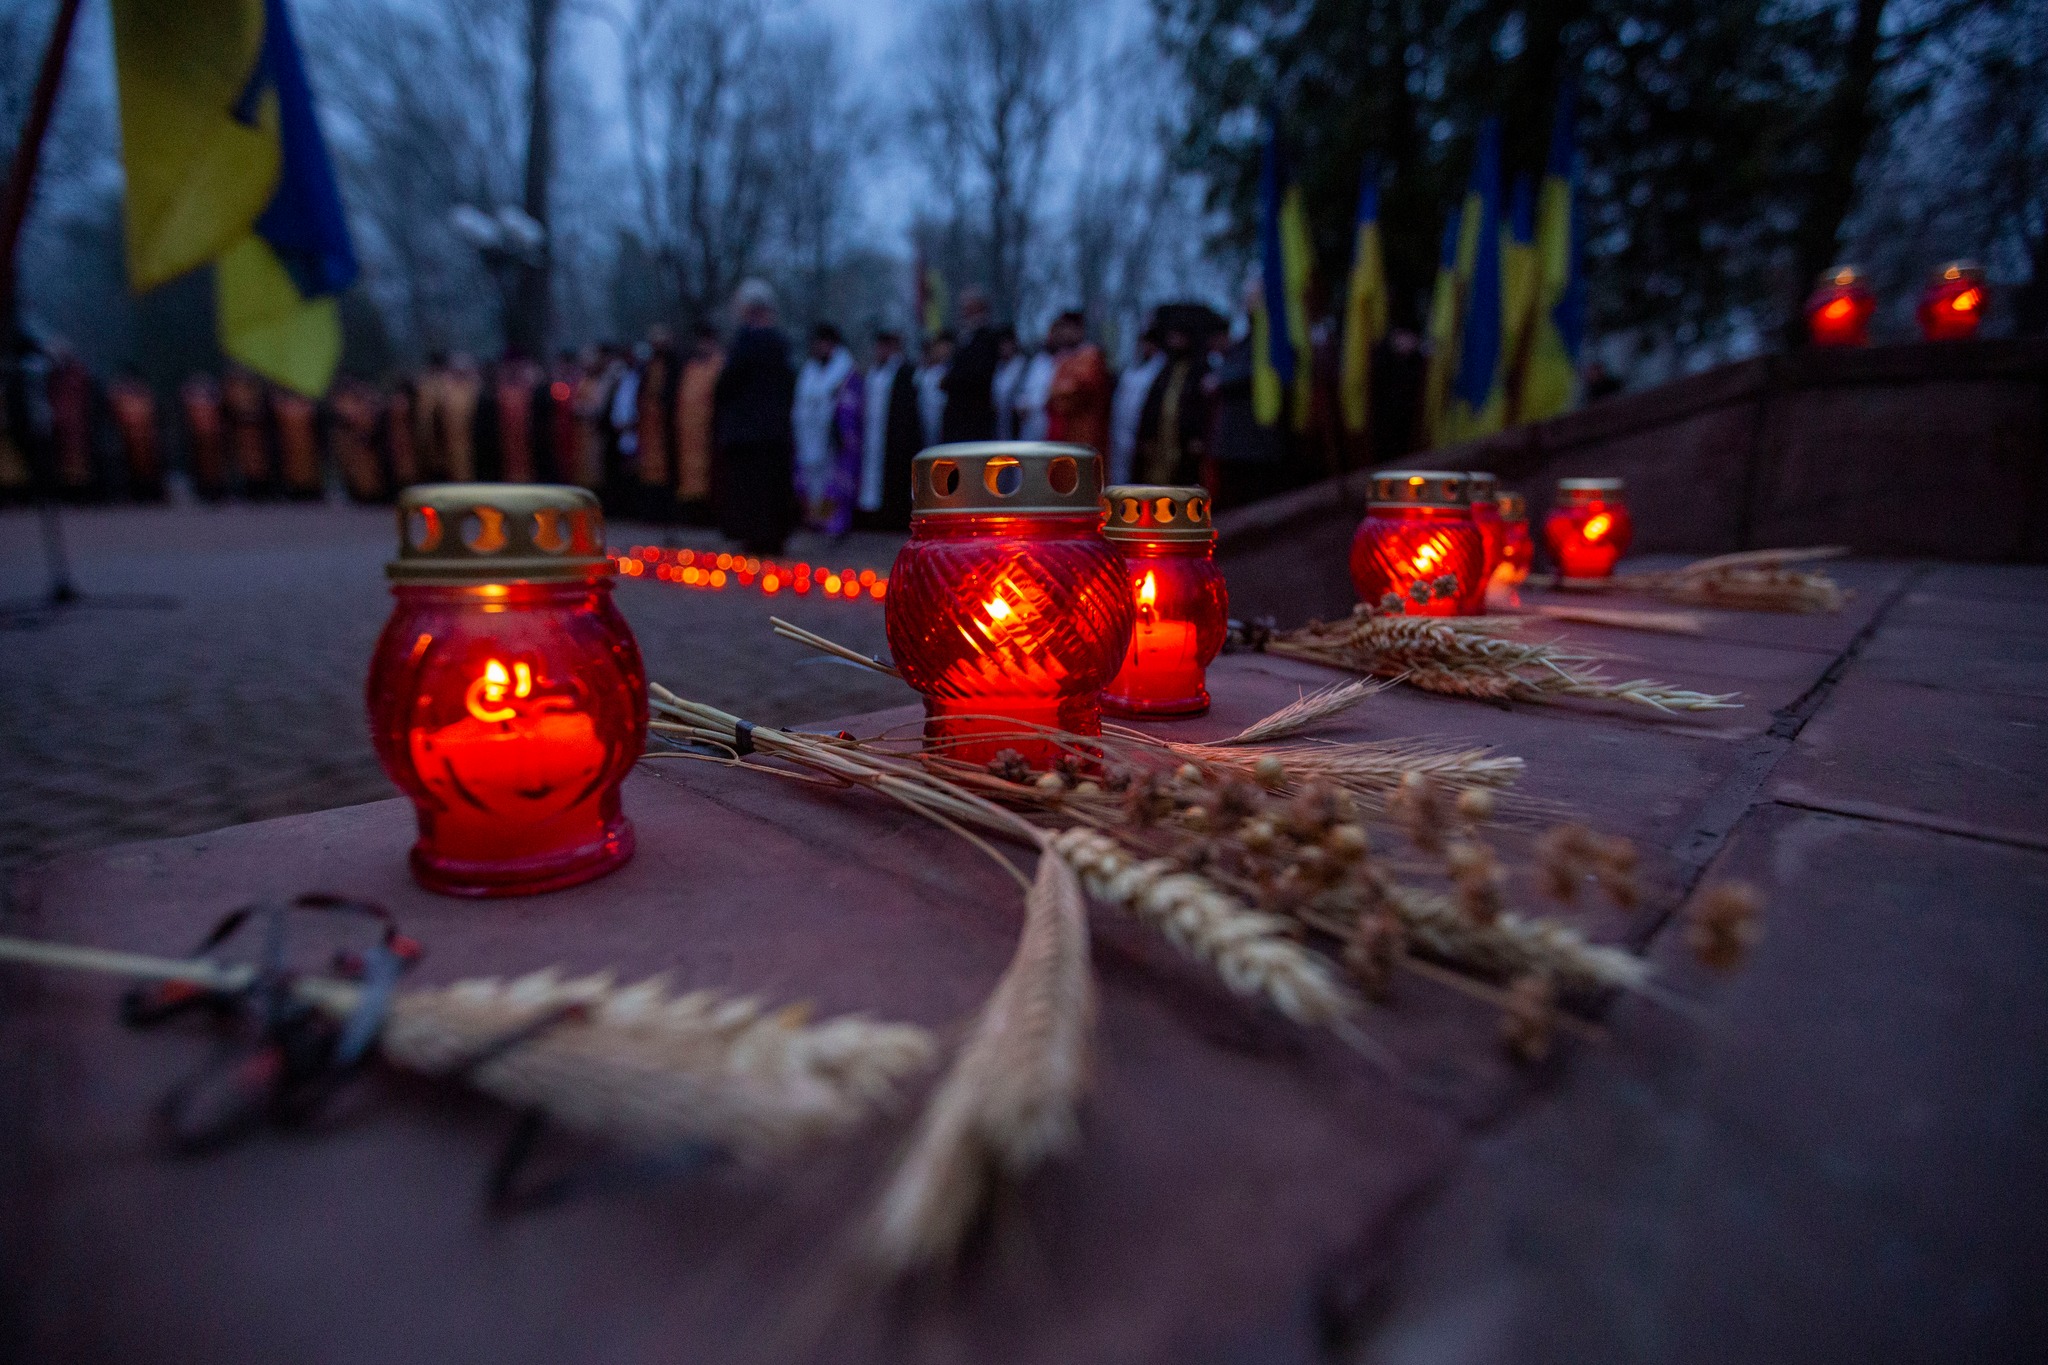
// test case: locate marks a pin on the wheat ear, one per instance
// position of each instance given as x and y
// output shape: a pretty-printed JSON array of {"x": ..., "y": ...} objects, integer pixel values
[
  {"x": 1253, "y": 954},
  {"x": 634, "y": 1065},
  {"x": 1009, "y": 1101}
]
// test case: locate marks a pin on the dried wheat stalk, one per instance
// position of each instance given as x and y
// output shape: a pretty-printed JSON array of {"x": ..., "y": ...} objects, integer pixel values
[
  {"x": 1473, "y": 657},
  {"x": 1009, "y": 1101},
  {"x": 635, "y": 1065},
  {"x": 1752, "y": 580}
]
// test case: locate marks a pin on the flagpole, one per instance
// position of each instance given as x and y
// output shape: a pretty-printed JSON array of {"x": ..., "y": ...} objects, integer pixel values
[{"x": 28, "y": 154}]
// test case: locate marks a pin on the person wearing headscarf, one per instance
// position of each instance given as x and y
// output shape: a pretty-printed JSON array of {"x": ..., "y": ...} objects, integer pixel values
[
  {"x": 693, "y": 424},
  {"x": 893, "y": 433},
  {"x": 1077, "y": 396},
  {"x": 825, "y": 387},
  {"x": 969, "y": 385},
  {"x": 1127, "y": 407},
  {"x": 754, "y": 474}
]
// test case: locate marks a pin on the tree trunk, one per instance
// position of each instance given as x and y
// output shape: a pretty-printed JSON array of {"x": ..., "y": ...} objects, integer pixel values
[
  {"x": 526, "y": 329},
  {"x": 1846, "y": 126}
]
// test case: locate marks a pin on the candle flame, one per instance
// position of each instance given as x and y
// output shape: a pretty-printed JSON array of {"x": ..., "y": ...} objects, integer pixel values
[
  {"x": 997, "y": 609},
  {"x": 1598, "y": 525},
  {"x": 1837, "y": 309},
  {"x": 1428, "y": 557},
  {"x": 487, "y": 695},
  {"x": 1967, "y": 301},
  {"x": 1148, "y": 591}
]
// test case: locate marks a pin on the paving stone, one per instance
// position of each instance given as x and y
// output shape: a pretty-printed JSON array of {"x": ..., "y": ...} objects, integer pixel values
[
  {"x": 1975, "y": 762},
  {"x": 1839, "y": 1161}
]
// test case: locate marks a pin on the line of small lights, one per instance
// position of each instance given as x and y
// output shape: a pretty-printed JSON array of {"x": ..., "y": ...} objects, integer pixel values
[{"x": 714, "y": 572}]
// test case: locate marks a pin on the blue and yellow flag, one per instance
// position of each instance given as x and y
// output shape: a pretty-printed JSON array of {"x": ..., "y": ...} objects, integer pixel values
[
  {"x": 1442, "y": 331},
  {"x": 1557, "y": 317},
  {"x": 225, "y": 163},
  {"x": 1479, "y": 393},
  {"x": 1280, "y": 354},
  {"x": 1365, "y": 310},
  {"x": 931, "y": 298}
]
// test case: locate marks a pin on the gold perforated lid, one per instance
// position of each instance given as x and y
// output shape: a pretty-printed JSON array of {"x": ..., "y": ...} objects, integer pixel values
[
  {"x": 1421, "y": 488},
  {"x": 1589, "y": 485},
  {"x": 458, "y": 534},
  {"x": 1156, "y": 512},
  {"x": 1513, "y": 507},
  {"x": 1951, "y": 272},
  {"x": 1482, "y": 486},
  {"x": 1020, "y": 477},
  {"x": 1840, "y": 276}
]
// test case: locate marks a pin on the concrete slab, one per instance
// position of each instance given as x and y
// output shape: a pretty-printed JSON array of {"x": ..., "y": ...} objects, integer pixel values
[{"x": 1841, "y": 1161}]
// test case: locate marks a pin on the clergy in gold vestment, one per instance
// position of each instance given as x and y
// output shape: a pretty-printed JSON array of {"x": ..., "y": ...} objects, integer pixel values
[{"x": 693, "y": 421}]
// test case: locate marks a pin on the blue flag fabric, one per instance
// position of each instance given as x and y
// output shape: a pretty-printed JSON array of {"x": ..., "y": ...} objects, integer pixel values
[
  {"x": 303, "y": 223},
  {"x": 1480, "y": 350}
]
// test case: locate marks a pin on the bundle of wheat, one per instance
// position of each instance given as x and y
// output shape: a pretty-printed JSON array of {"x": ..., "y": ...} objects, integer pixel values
[{"x": 1752, "y": 580}]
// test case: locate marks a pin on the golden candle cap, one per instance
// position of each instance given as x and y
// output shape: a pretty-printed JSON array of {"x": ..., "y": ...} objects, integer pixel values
[
  {"x": 1153, "y": 512},
  {"x": 1949, "y": 272},
  {"x": 1840, "y": 276},
  {"x": 1421, "y": 488},
  {"x": 1513, "y": 507},
  {"x": 460, "y": 534},
  {"x": 1589, "y": 485},
  {"x": 1482, "y": 486},
  {"x": 1016, "y": 477}
]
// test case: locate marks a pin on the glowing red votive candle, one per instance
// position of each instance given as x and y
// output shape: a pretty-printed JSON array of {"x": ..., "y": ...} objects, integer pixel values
[
  {"x": 1007, "y": 609},
  {"x": 1952, "y": 305},
  {"x": 1485, "y": 491},
  {"x": 1517, "y": 550},
  {"x": 506, "y": 696},
  {"x": 1588, "y": 528},
  {"x": 1839, "y": 309},
  {"x": 1418, "y": 551},
  {"x": 1182, "y": 608}
]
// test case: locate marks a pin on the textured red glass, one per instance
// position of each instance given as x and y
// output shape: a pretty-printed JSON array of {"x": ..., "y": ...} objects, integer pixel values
[
  {"x": 1952, "y": 310},
  {"x": 1839, "y": 315},
  {"x": 1517, "y": 551},
  {"x": 1182, "y": 613},
  {"x": 1587, "y": 532},
  {"x": 1492, "y": 534},
  {"x": 999, "y": 619},
  {"x": 510, "y": 714},
  {"x": 1426, "y": 561}
]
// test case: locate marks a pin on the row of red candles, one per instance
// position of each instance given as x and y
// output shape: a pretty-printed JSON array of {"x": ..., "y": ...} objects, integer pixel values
[{"x": 508, "y": 698}]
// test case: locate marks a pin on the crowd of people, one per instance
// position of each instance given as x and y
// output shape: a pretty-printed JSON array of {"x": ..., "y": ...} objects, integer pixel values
[{"x": 732, "y": 430}]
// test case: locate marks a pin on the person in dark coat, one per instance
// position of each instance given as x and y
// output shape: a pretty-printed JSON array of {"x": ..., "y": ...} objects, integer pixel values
[
  {"x": 894, "y": 435},
  {"x": 756, "y": 450},
  {"x": 1173, "y": 432},
  {"x": 970, "y": 383}
]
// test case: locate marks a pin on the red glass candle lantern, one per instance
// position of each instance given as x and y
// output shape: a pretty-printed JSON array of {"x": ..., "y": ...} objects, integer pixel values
[
  {"x": 1007, "y": 608},
  {"x": 1485, "y": 492},
  {"x": 1517, "y": 550},
  {"x": 1588, "y": 528},
  {"x": 1952, "y": 306},
  {"x": 1182, "y": 608},
  {"x": 507, "y": 697},
  {"x": 1418, "y": 550},
  {"x": 1838, "y": 311}
]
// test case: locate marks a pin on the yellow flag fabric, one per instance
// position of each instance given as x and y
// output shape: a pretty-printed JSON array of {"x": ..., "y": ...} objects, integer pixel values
[
  {"x": 1297, "y": 255},
  {"x": 1365, "y": 319},
  {"x": 1268, "y": 394},
  {"x": 197, "y": 175},
  {"x": 1551, "y": 383},
  {"x": 266, "y": 324},
  {"x": 225, "y": 163}
]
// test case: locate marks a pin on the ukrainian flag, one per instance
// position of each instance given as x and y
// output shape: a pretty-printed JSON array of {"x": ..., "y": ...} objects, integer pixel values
[
  {"x": 1518, "y": 288},
  {"x": 1479, "y": 392},
  {"x": 1280, "y": 354},
  {"x": 225, "y": 163},
  {"x": 1365, "y": 313},
  {"x": 1443, "y": 336},
  {"x": 1558, "y": 316}
]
